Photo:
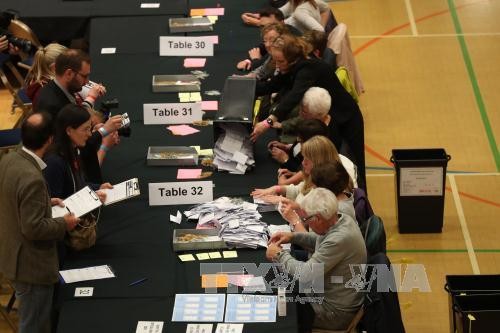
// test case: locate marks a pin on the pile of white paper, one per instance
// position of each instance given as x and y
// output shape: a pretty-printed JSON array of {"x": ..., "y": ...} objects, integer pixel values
[
  {"x": 238, "y": 221},
  {"x": 233, "y": 150}
]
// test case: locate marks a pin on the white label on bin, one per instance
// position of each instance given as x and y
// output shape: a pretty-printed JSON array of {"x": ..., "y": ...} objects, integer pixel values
[
  {"x": 421, "y": 181},
  {"x": 180, "y": 193}
]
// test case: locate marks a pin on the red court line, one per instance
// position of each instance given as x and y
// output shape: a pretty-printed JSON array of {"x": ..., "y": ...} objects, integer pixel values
[{"x": 390, "y": 32}]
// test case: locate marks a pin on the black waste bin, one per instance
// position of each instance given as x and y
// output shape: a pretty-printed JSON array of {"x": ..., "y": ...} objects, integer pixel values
[
  {"x": 477, "y": 313},
  {"x": 420, "y": 179},
  {"x": 460, "y": 285}
]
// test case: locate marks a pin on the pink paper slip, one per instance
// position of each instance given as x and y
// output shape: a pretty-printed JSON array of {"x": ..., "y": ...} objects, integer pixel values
[
  {"x": 214, "y": 39},
  {"x": 188, "y": 173},
  {"x": 194, "y": 62},
  {"x": 219, "y": 11},
  {"x": 182, "y": 129},
  {"x": 210, "y": 105}
]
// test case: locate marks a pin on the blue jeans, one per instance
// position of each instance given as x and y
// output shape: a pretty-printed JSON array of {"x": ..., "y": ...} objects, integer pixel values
[{"x": 35, "y": 305}]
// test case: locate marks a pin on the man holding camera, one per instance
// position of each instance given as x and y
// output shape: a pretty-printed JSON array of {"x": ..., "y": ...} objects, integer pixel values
[{"x": 72, "y": 71}]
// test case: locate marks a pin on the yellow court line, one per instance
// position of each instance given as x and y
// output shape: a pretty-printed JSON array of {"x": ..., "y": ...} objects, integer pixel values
[{"x": 463, "y": 225}]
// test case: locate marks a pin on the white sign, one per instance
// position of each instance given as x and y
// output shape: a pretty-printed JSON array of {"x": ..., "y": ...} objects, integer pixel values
[
  {"x": 150, "y": 5},
  {"x": 149, "y": 327},
  {"x": 421, "y": 181},
  {"x": 84, "y": 291},
  {"x": 180, "y": 193},
  {"x": 186, "y": 46},
  {"x": 172, "y": 113}
]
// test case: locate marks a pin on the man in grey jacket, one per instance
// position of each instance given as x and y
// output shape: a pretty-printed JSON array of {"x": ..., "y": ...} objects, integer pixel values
[
  {"x": 336, "y": 243},
  {"x": 28, "y": 233}
]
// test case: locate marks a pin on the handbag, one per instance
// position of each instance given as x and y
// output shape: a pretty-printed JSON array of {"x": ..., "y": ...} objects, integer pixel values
[{"x": 84, "y": 235}]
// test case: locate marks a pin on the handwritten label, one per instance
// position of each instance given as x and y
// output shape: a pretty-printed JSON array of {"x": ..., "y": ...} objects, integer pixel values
[
  {"x": 180, "y": 193},
  {"x": 84, "y": 291},
  {"x": 149, "y": 327},
  {"x": 150, "y": 5},
  {"x": 172, "y": 113},
  {"x": 108, "y": 50},
  {"x": 186, "y": 46}
]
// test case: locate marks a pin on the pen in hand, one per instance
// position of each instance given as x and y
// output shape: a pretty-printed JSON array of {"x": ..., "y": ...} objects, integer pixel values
[{"x": 137, "y": 282}]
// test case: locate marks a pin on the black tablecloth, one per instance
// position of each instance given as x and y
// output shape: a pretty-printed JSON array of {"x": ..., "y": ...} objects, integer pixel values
[{"x": 134, "y": 238}]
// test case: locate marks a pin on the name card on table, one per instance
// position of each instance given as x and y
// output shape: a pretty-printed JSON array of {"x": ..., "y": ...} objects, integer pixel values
[
  {"x": 171, "y": 113},
  {"x": 180, "y": 193},
  {"x": 150, "y": 5},
  {"x": 186, "y": 46}
]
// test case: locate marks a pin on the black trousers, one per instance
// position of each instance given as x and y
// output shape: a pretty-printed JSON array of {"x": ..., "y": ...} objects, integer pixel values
[{"x": 352, "y": 133}]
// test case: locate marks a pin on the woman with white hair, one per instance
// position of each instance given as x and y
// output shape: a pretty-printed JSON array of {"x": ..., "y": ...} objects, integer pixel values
[{"x": 316, "y": 104}]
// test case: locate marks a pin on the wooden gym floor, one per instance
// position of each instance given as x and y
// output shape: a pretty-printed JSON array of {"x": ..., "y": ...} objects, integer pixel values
[{"x": 431, "y": 70}]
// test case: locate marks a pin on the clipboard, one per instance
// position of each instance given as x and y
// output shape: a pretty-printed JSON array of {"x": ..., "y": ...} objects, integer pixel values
[
  {"x": 80, "y": 203},
  {"x": 122, "y": 191}
]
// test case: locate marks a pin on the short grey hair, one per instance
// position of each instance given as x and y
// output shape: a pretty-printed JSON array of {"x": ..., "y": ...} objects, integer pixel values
[
  {"x": 320, "y": 201},
  {"x": 318, "y": 101}
]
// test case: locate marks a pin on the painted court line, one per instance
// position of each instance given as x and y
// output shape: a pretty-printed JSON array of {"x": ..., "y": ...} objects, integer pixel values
[
  {"x": 411, "y": 18},
  {"x": 467, "y": 34},
  {"x": 463, "y": 225},
  {"x": 448, "y": 173},
  {"x": 475, "y": 85}
]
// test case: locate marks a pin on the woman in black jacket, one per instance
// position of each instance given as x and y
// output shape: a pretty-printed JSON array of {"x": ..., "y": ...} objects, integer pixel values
[
  {"x": 64, "y": 174},
  {"x": 298, "y": 73}
]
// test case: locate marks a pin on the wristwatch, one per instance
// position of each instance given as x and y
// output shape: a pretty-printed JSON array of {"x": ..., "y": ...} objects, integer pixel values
[{"x": 270, "y": 121}]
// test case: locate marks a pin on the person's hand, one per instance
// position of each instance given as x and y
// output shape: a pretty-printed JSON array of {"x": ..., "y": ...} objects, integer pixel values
[
  {"x": 251, "y": 18},
  {"x": 289, "y": 204},
  {"x": 56, "y": 202},
  {"x": 254, "y": 53},
  {"x": 4, "y": 43},
  {"x": 113, "y": 124},
  {"x": 280, "y": 145},
  {"x": 258, "y": 129},
  {"x": 289, "y": 214},
  {"x": 272, "y": 250},
  {"x": 244, "y": 65},
  {"x": 279, "y": 155},
  {"x": 285, "y": 173},
  {"x": 105, "y": 186},
  {"x": 260, "y": 192},
  {"x": 101, "y": 195},
  {"x": 97, "y": 91},
  {"x": 273, "y": 199},
  {"x": 111, "y": 140},
  {"x": 71, "y": 221},
  {"x": 281, "y": 237}
]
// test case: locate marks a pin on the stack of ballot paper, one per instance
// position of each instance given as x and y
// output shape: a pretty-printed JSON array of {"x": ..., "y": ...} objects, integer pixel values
[
  {"x": 233, "y": 149},
  {"x": 238, "y": 221}
]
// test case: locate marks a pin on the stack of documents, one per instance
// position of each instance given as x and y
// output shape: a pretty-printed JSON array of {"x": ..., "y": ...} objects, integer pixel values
[
  {"x": 238, "y": 221},
  {"x": 233, "y": 149}
]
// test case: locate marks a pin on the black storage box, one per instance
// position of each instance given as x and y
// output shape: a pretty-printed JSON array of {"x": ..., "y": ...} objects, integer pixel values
[
  {"x": 461, "y": 285},
  {"x": 477, "y": 313},
  {"x": 420, "y": 188}
]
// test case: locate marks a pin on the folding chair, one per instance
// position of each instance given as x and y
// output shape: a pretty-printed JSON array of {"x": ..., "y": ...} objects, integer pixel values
[
  {"x": 19, "y": 98},
  {"x": 9, "y": 139}
]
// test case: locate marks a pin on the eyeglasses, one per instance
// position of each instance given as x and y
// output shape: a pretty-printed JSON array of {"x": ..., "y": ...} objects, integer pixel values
[
  {"x": 84, "y": 76},
  {"x": 308, "y": 219}
]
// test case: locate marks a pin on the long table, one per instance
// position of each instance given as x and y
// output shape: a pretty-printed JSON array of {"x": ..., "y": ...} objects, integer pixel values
[{"x": 134, "y": 238}]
